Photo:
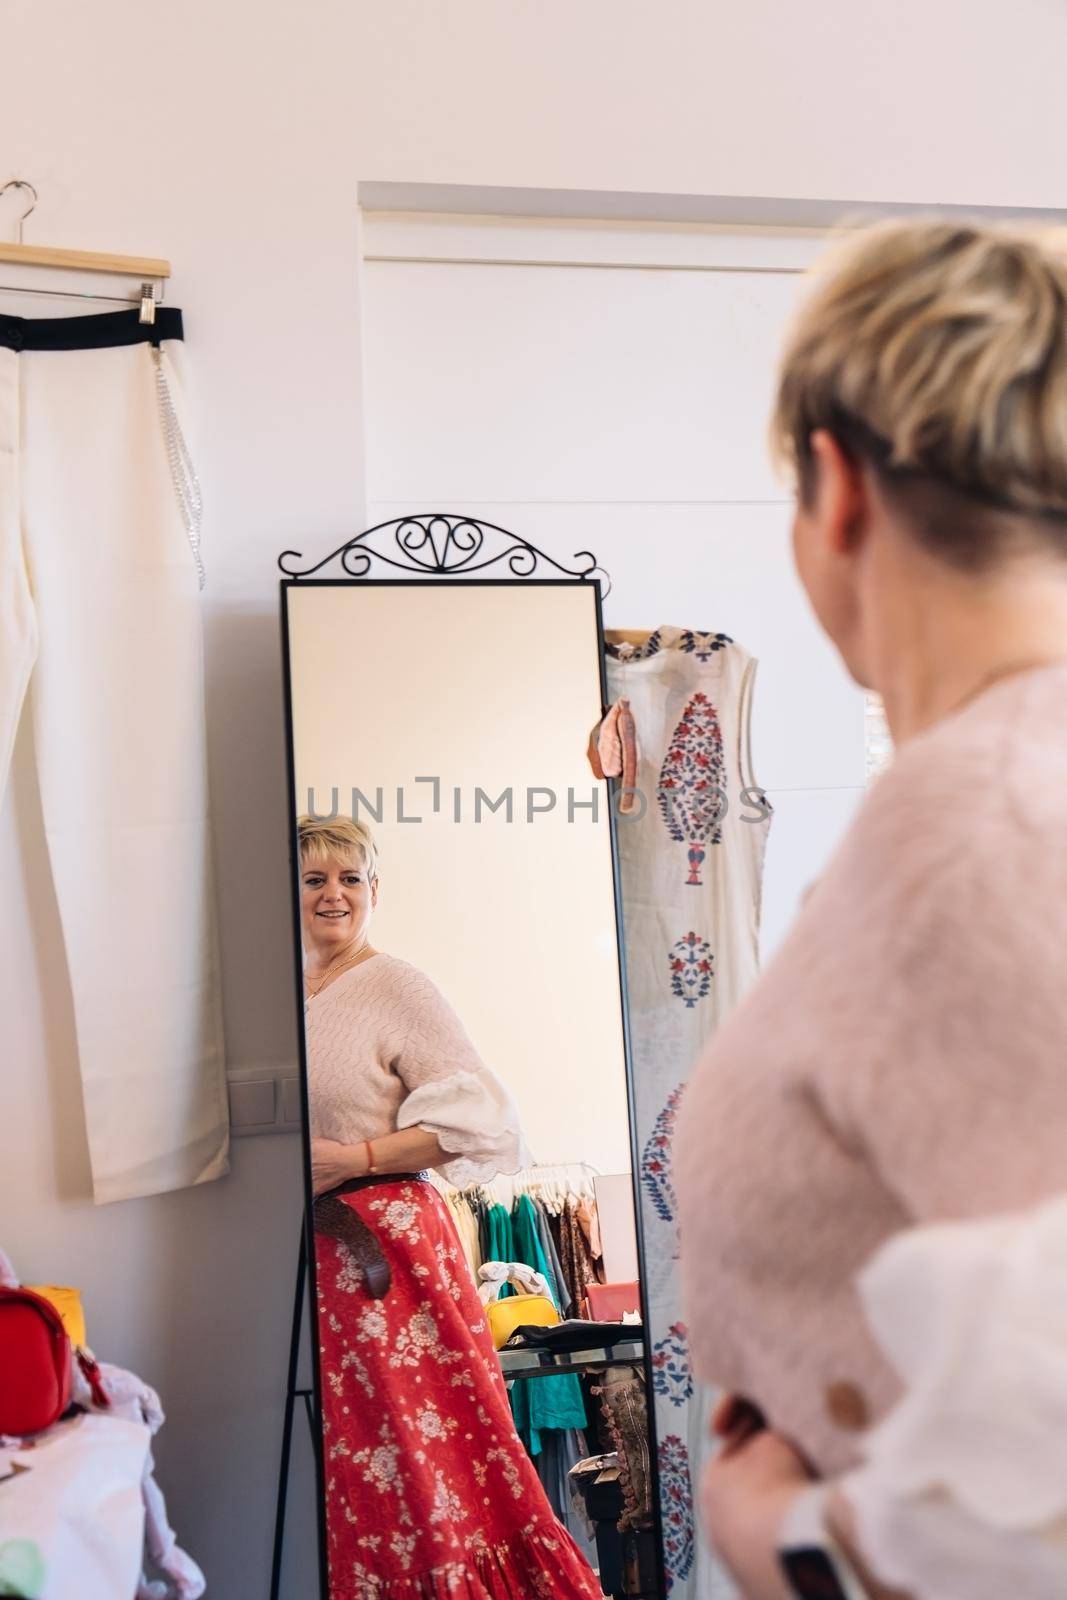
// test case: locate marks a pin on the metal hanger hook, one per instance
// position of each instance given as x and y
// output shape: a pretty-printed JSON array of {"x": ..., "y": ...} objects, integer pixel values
[{"x": 21, "y": 183}]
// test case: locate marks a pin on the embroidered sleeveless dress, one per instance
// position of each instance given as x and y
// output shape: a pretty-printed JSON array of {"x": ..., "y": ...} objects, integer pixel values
[{"x": 691, "y": 855}]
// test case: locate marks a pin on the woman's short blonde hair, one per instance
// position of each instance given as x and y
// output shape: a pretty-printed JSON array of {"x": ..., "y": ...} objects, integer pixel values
[
  {"x": 337, "y": 836},
  {"x": 938, "y": 353}
]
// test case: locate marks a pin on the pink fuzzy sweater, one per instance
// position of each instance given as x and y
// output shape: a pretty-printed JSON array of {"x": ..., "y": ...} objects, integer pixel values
[
  {"x": 385, "y": 1050},
  {"x": 903, "y": 1059}
]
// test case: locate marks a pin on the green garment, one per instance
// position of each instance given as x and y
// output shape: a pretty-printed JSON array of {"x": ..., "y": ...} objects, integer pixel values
[
  {"x": 528, "y": 1246},
  {"x": 538, "y": 1404},
  {"x": 501, "y": 1240}
]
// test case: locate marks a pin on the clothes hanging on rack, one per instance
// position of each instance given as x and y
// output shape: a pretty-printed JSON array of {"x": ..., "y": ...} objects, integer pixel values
[
  {"x": 564, "y": 1298},
  {"x": 562, "y": 1203},
  {"x": 528, "y": 1241},
  {"x": 589, "y": 1222},
  {"x": 541, "y": 1404},
  {"x": 550, "y": 1413},
  {"x": 99, "y": 562},
  {"x": 501, "y": 1240},
  {"x": 548, "y": 1408},
  {"x": 580, "y": 1265},
  {"x": 465, "y": 1219},
  {"x": 481, "y": 1212},
  {"x": 691, "y": 864}
]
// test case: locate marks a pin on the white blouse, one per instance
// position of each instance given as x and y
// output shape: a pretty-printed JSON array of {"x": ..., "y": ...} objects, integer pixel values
[{"x": 963, "y": 1491}]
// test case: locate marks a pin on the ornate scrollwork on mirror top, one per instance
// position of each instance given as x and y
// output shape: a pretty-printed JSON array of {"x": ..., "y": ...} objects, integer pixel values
[{"x": 442, "y": 545}]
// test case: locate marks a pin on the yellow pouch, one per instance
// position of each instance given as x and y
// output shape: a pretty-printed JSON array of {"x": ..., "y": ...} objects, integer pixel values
[
  {"x": 517, "y": 1311},
  {"x": 68, "y": 1303}
]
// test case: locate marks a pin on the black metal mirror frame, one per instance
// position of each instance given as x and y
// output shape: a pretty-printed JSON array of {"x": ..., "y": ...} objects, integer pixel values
[{"x": 439, "y": 548}]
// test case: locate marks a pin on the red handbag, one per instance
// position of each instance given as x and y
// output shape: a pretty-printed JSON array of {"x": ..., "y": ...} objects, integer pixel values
[{"x": 35, "y": 1363}]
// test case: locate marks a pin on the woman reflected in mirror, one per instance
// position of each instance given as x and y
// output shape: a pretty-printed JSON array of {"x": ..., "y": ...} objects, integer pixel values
[{"x": 429, "y": 1490}]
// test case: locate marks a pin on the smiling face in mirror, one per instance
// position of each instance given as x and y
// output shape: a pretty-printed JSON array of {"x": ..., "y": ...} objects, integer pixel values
[
  {"x": 469, "y": 1128},
  {"x": 338, "y": 894}
]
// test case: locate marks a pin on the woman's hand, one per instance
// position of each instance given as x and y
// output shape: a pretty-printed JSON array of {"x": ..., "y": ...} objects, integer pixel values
[
  {"x": 332, "y": 1163},
  {"x": 747, "y": 1489},
  {"x": 735, "y": 1420}
]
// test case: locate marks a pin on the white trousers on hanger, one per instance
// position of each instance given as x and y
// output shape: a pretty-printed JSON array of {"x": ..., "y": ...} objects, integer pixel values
[{"x": 100, "y": 630}]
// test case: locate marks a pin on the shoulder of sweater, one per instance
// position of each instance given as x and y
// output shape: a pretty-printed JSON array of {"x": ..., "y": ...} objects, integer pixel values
[
  {"x": 972, "y": 772},
  {"x": 389, "y": 981},
  {"x": 956, "y": 807},
  {"x": 395, "y": 966}
]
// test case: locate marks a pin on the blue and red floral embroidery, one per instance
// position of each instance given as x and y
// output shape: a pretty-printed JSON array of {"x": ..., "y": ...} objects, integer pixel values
[
  {"x": 703, "y": 645},
  {"x": 676, "y": 1508},
  {"x": 692, "y": 782},
  {"x": 692, "y": 968},
  {"x": 656, "y": 1161},
  {"x": 671, "y": 1375}
]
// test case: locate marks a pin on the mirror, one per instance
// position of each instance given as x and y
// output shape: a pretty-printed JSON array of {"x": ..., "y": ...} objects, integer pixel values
[{"x": 468, "y": 1122}]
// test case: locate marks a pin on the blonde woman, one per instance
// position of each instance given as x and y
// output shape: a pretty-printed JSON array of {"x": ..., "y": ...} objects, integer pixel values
[
  {"x": 900, "y": 1069},
  {"x": 429, "y": 1491}
]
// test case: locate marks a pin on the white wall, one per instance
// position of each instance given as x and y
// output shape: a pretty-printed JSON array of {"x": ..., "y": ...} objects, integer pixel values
[
  {"x": 622, "y": 410},
  {"x": 231, "y": 136}
]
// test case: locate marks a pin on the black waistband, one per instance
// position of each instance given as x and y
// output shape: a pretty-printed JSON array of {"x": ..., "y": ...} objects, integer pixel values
[
  {"x": 370, "y": 1179},
  {"x": 89, "y": 333}
]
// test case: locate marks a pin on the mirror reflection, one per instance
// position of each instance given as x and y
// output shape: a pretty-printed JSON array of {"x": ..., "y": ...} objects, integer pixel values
[{"x": 481, "y": 1376}]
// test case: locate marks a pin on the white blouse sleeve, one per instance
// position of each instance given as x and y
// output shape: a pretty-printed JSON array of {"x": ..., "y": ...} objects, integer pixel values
[
  {"x": 452, "y": 1093},
  {"x": 963, "y": 1490}
]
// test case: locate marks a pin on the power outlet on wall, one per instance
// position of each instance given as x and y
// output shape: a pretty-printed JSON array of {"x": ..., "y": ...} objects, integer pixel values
[{"x": 264, "y": 1100}]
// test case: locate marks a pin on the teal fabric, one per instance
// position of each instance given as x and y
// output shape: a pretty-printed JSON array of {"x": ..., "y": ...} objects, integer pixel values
[
  {"x": 528, "y": 1243},
  {"x": 538, "y": 1404},
  {"x": 501, "y": 1240}
]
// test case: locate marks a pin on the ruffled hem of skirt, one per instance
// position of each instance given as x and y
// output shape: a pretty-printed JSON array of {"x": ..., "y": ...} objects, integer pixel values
[{"x": 531, "y": 1566}]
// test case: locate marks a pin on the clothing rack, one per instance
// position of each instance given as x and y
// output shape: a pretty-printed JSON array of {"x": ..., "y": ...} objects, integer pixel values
[
  {"x": 527, "y": 1175},
  {"x": 506, "y": 1187}
]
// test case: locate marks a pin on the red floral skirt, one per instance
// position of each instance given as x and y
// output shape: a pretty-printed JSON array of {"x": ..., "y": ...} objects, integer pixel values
[{"x": 430, "y": 1494}]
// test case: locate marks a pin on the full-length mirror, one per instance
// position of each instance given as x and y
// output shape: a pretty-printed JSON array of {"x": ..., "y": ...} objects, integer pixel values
[{"x": 468, "y": 1111}]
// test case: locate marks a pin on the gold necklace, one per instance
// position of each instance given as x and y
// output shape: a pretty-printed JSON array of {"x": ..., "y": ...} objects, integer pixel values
[{"x": 335, "y": 966}]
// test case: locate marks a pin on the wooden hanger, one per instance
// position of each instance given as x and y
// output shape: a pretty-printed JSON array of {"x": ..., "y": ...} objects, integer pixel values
[
  {"x": 148, "y": 269},
  {"x": 635, "y": 636}
]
